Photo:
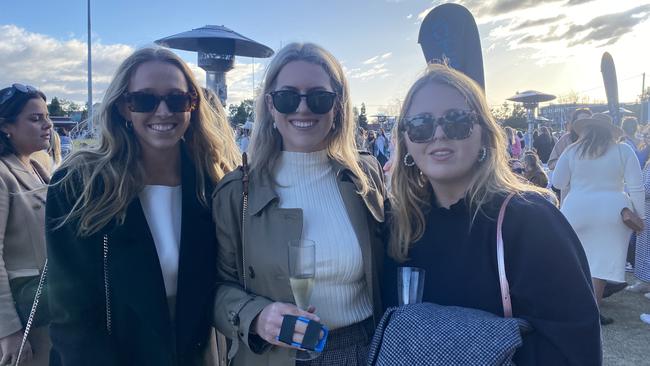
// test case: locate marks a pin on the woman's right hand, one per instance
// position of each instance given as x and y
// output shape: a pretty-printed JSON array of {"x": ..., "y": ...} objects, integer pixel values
[
  {"x": 9, "y": 347},
  {"x": 268, "y": 323}
]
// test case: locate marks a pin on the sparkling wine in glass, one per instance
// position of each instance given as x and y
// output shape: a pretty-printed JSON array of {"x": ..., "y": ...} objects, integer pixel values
[{"x": 302, "y": 270}]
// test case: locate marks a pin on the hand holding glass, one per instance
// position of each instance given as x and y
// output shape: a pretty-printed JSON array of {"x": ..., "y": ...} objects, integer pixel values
[{"x": 302, "y": 270}]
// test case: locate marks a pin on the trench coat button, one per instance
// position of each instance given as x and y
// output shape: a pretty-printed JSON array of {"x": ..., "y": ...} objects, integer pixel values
[
  {"x": 36, "y": 206},
  {"x": 251, "y": 272},
  {"x": 233, "y": 318}
]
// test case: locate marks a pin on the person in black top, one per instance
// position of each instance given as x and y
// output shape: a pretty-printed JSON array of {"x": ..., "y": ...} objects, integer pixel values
[
  {"x": 447, "y": 190},
  {"x": 130, "y": 240},
  {"x": 544, "y": 144}
]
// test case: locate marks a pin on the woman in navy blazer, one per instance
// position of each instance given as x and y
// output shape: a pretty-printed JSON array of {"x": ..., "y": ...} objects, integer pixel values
[{"x": 131, "y": 245}]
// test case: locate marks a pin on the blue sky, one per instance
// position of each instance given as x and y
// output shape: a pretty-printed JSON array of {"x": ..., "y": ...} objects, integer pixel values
[{"x": 549, "y": 45}]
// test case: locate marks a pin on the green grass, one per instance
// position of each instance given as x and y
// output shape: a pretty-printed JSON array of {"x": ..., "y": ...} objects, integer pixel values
[{"x": 80, "y": 143}]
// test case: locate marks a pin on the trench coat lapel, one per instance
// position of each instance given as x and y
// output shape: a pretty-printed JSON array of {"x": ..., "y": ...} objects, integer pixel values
[{"x": 26, "y": 179}]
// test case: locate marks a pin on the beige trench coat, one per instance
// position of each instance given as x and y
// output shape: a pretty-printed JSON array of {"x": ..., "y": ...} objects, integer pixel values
[
  {"x": 22, "y": 244},
  {"x": 267, "y": 230}
]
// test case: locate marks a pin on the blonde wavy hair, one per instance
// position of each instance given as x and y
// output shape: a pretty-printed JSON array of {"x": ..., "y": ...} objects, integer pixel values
[
  {"x": 266, "y": 142},
  {"x": 412, "y": 193},
  {"x": 55, "y": 148},
  {"x": 111, "y": 175}
]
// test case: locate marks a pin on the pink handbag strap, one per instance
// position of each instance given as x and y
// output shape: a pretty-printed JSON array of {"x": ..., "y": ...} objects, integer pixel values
[{"x": 503, "y": 280}]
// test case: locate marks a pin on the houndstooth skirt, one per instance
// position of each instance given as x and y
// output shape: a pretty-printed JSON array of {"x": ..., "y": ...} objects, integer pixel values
[
  {"x": 642, "y": 258},
  {"x": 346, "y": 346}
]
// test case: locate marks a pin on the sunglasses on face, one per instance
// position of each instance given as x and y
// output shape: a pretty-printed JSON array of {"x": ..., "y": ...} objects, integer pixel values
[
  {"x": 287, "y": 101},
  {"x": 143, "y": 102},
  {"x": 8, "y": 93},
  {"x": 456, "y": 124}
]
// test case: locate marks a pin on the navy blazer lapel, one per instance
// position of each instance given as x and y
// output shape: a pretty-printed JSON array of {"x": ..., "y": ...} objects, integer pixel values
[
  {"x": 135, "y": 274},
  {"x": 197, "y": 262}
]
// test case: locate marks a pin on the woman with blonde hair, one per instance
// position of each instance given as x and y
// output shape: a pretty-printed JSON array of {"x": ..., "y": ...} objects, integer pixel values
[
  {"x": 600, "y": 169},
  {"x": 306, "y": 181},
  {"x": 451, "y": 182},
  {"x": 130, "y": 240},
  {"x": 514, "y": 145}
]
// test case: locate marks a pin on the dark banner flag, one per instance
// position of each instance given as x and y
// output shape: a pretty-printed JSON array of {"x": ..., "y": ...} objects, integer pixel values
[
  {"x": 611, "y": 87},
  {"x": 449, "y": 31}
]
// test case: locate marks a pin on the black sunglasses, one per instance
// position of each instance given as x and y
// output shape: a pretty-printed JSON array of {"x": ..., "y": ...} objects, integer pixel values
[
  {"x": 144, "y": 102},
  {"x": 318, "y": 101},
  {"x": 456, "y": 124},
  {"x": 8, "y": 93}
]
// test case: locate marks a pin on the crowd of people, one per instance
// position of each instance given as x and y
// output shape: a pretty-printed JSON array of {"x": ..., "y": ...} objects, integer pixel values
[
  {"x": 151, "y": 246},
  {"x": 597, "y": 162}
]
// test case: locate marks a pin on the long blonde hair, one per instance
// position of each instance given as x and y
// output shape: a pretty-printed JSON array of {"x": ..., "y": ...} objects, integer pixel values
[
  {"x": 411, "y": 191},
  {"x": 111, "y": 175},
  {"x": 266, "y": 142},
  {"x": 55, "y": 148}
]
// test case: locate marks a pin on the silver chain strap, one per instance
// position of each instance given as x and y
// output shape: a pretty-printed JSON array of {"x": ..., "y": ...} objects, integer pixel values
[
  {"x": 32, "y": 312},
  {"x": 245, "y": 178},
  {"x": 107, "y": 288},
  {"x": 243, "y": 256}
]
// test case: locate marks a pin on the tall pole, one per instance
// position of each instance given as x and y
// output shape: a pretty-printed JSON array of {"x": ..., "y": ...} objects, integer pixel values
[
  {"x": 90, "y": 78},
  {"x": 645, "y": 109}
]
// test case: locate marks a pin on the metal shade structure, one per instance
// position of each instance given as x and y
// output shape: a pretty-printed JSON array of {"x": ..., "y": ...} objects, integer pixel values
[
  {"x": 217, "y": 47},
  {"x": 531, "y": 100},
  {"x": 216, "y": 38},
  {"x": 531, "y": 97},
  {"x": 622, "y": 111}
]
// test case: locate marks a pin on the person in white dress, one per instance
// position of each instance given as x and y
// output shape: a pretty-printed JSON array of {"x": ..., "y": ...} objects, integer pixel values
[{"x": 598, "y": 168}]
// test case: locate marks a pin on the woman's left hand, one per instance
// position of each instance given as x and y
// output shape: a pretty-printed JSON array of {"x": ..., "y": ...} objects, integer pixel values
[{"x": 9, "y": 347}]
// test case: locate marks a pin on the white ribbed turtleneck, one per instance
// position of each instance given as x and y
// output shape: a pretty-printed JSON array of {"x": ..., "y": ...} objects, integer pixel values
[{"x": 307, "y": 181}]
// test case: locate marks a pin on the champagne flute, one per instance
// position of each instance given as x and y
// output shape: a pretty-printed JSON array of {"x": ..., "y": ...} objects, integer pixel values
[
  {"x": 410, "y": 285},
  {"x": 302, "y": 270}
]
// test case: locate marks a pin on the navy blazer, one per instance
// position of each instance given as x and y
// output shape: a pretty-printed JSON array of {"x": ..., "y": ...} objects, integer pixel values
[{"x": 142, "y": 330}]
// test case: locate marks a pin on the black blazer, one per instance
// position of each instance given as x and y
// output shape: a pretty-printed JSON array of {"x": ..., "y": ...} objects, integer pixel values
[{"x": 142, "y": 330}]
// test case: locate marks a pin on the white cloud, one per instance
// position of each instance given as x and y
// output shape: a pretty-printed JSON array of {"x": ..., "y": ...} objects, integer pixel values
[
  {"x": 371, "y": 60},
  {"x": 56, "y": 67},
  {"x": 374, "y": 67},
  {"x": 553, "y": 31},
  {"x": 409, "y": 16},
  {"x": 365, "y": 74},
  {"x": 240, "y": 81},
  {"x": 59, "y": 67},
  {"x": 375, "y": 59}
]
